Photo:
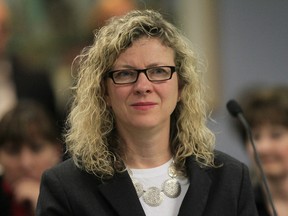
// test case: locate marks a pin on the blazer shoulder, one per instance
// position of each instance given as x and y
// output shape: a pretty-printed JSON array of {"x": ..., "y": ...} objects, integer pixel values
[
  {"x": 67, "y": 171},
  {"x": 228, "y": 169},
  {"x": 222, "y": 158},
  {"x": 64, "y": 166}
]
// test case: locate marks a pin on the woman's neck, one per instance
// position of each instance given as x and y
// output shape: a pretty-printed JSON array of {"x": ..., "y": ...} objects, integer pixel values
[
  {"x": 279, "y": 188},
  {"x": 146, "y": 148}
]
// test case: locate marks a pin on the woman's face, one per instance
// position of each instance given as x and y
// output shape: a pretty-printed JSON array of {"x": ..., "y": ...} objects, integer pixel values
[
  {"x": 272, "y": 145},
  {"x": 28, "y": 161},
  {"x": 144, "y": 104}
]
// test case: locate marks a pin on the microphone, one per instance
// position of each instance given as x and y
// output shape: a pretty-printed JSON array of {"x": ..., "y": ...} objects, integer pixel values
[{"x": 236, "y": 111}]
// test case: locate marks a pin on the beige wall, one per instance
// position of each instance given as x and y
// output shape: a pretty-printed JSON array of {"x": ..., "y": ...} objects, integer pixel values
[{"x": 198, "y": 19}]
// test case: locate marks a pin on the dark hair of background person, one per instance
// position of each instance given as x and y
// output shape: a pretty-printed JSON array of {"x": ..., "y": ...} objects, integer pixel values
[
  {"x": 262, "y": 104},
  {"x": 26, "y": 120}
]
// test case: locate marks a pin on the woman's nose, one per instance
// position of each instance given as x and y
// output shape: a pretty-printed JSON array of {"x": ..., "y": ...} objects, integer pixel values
[
  {"x": 263, "y": 145},
  {"x": 26, "y": 158},
  {"x": 142, "y": 85}
]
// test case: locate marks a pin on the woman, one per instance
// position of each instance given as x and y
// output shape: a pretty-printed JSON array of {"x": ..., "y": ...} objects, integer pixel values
[
  {"x": 266, "y": 109},
  {"x": 137, "y": 133},
  {"x": 29, "y": 144}
]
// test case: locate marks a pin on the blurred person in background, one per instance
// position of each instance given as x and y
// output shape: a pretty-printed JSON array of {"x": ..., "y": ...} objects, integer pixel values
[
  {"x": 17, "y": 80},
  {"x": 29, "y": 144},
  {"x": 105, "y": 9},
  {"x": 266, "y": 110},
  {"x": 7, "y": 91}
]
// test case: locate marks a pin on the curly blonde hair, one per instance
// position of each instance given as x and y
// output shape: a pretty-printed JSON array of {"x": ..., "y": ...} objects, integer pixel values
[{"x": 91, "y": 135}]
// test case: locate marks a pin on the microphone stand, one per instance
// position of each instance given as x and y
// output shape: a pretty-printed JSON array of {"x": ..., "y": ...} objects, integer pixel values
[{"x": 258, "y": 162}]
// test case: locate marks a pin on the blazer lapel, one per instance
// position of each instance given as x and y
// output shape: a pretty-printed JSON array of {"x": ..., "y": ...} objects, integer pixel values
[
  {"x": 196, "y": 197},
  {"x": 120, "y": 193}
]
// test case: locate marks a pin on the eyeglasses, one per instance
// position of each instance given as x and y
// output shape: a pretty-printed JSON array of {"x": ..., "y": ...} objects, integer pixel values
[{"x": 153, "y": 74}]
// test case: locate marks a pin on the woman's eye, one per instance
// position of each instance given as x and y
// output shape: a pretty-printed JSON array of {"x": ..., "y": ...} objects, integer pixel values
[
  {"x": 13, "y": 150},
  {"x": 36, "y": 147},
  {"x": 159, "y": 71},
  {"x": 276, "y": 135},
  {"x": 256, "y": 136},
  {"x": 120, "y": 74}
]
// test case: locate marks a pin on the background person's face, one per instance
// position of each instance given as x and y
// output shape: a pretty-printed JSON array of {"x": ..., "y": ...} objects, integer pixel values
[
  {"x": 28, "y": 161},
  {"x": 144, "y": 104},
  {"x": 272, "y": 145}
]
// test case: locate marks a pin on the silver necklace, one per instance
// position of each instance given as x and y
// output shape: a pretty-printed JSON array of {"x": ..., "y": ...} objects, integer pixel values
[{"x": 154, "y": 196}]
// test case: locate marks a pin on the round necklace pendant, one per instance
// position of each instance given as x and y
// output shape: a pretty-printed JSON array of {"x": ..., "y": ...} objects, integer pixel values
[
  {"x": 153, "y": 196},
  {"x": 138, "y": 187},
  {"x": 171, "y": 188},
  {"x": 172, "y": 172}
]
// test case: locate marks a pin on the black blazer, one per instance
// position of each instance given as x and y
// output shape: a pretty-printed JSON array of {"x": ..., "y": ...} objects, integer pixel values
[{"x": 224, "y": 191}]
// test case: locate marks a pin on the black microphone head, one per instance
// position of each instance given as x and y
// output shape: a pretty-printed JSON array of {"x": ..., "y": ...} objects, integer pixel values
[{"x": 234, "y": 108}]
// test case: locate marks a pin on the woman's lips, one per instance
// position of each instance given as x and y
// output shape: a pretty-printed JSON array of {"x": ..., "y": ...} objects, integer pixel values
[{"x": 143, "y": 105}]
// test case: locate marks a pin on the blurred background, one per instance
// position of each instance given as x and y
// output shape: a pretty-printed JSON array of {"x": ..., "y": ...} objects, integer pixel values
[{"x": 245, "y": 43}]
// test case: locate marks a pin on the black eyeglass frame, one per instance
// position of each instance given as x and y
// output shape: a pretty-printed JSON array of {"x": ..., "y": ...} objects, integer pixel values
[{"x": 109, "y": 74}]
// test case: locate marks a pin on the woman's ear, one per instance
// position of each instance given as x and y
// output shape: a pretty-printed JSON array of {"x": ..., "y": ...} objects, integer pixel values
[
  {"x": 107, "y": 100},
  {"x": 179, "y": 94},
  {"x": 106, "y": 96}
]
